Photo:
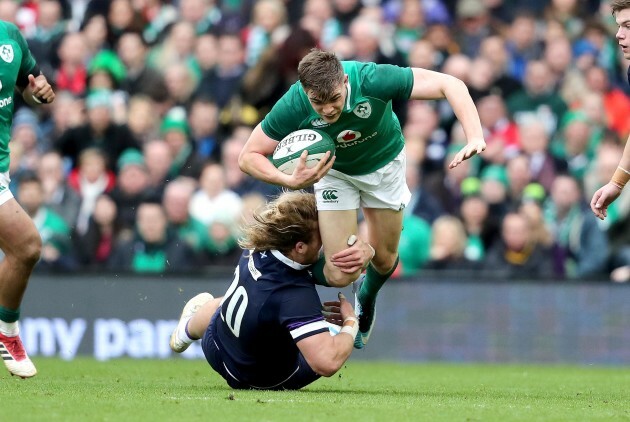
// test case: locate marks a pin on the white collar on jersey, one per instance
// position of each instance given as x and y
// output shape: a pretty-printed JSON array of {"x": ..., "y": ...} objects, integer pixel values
[
  {"x": 349, "y": 94},
  {"x": 291, "y": 263}
]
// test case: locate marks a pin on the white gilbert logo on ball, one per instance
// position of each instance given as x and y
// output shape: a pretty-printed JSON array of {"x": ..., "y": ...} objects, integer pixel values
[{"x": 286, "y": 156}]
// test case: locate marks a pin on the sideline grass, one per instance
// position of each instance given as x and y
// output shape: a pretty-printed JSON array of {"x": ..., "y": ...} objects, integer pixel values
[{"x": 180, "y": 390}]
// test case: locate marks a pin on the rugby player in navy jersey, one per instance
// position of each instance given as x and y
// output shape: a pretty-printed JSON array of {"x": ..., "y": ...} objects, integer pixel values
[
  {"x": 268, "y": 331},
  {"x": 611, "y": 191}
]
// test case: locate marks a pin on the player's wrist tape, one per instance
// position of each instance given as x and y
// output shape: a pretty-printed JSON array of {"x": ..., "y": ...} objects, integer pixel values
[
  {"x": 350, "y": 329},
  {"x": 36, "y": 99},
  {"x": 621, "y": 177}
]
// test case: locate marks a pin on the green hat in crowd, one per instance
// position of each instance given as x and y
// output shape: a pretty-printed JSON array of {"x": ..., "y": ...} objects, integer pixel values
[
  {"x": 98, "y": 98},
  {"x": 534, "y": 192},
  {"x": 130, "y": 157},
  {"x": 495, "y": 172},
  {"x": 175, "y": 120},
  {"x": 471, "y": 186},
  {"x": 109, "y": 62}
]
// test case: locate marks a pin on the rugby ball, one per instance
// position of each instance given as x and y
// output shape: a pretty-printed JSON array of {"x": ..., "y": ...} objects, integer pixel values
[{"x": 286, "y": 156}]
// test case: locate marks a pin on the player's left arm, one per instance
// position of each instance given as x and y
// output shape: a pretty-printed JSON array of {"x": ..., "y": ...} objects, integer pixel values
[
  {"x": 430, "y": 85},
  {"x": 30, "y": 82}
]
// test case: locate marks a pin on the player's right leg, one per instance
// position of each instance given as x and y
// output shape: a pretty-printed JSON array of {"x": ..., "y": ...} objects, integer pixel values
[
  {"x": 193, "y": 321},
  {"x": 21, "y": 244}
]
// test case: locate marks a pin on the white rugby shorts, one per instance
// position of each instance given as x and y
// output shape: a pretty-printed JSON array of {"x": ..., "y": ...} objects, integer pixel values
[
  {"x": 385, "y": 188},
  {"x": 5, "y": 192}
]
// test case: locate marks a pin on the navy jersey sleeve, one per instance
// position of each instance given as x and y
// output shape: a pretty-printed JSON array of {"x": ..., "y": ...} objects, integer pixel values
[{"x": 299, "y": 311}]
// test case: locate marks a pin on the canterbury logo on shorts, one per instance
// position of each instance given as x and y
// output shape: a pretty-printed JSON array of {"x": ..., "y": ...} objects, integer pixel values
[{"x": 329, "y": 195}]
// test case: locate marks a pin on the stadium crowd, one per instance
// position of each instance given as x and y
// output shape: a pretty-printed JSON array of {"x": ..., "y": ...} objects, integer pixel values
[{"x": 134, "y": 167}]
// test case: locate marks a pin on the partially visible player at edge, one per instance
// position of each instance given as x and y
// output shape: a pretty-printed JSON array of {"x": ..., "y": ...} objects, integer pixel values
[
  {"x": 268, "y": 331},
  {"x": 352, "y": 102},
  {"x": 611, "y": 191},
  {"x": 19, "y": 239}
]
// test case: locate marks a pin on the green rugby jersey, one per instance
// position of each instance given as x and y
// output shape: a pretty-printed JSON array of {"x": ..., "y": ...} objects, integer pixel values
[
  {"x": 367, "y": 135},
  {"x": 16, "y": 62}
]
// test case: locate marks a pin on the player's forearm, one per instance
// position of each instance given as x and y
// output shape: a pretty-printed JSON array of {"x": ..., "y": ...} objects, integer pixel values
[
  {"x": 259, "y": 167},
  {"x": 622, "y": 174},
  {"x": 456, "y": 93}
]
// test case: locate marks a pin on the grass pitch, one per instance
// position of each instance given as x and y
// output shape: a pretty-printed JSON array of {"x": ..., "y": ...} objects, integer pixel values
[{"x": 181, "y": 390}]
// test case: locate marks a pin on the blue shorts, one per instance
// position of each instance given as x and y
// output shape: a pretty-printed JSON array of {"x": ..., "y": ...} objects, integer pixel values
[{"x": 301, "y": 377}]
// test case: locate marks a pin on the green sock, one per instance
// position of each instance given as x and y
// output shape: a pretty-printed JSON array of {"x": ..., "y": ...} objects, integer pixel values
[
  {"x": 372, "y": 284},
  {"x": 9, "y": 315},
  {"x": 318, "y": 272}
]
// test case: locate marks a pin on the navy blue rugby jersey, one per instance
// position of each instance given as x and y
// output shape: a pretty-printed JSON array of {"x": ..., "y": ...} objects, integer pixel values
[{"x": 271, "y": 305}]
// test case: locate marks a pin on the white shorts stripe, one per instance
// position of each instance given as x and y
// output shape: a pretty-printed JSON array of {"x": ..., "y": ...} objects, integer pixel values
[{"x": 5, "y": 193}]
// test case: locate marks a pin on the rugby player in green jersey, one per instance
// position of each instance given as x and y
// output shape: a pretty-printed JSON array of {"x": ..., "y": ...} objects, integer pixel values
[
  {"x": 19, "y": 239},
  {"x": 352, "y": 102}
]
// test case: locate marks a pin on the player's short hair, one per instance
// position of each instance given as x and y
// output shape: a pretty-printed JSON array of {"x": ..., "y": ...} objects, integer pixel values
[
  {"x": 282, "y": 223},
  {"x": 619, "y": 5},
  {"x": 321, "y": 71}
]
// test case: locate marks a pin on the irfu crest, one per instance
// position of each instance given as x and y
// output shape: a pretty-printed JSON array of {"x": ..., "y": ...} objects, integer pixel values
[{"x": 6, "y": 52}]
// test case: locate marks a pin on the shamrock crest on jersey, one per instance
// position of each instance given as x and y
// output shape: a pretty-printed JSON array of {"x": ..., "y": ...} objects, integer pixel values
[{"x": 6, "y": 52}]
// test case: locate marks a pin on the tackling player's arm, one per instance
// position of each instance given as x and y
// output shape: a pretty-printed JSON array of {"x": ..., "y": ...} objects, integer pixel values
[
  {"x": 611, "y": 191},
  {"x": 430, "y": 85},
  {"x": 37, "y": 90},
  {"x": 324, "y": 353},
  {"x": 253, "y": 161}
]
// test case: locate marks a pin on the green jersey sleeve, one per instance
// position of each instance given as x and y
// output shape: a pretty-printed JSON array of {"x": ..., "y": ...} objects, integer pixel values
[
  {"x": 386, "y": 81},
  {"x": 28, "y": 62},
  {"x": 287, "y": 115}
]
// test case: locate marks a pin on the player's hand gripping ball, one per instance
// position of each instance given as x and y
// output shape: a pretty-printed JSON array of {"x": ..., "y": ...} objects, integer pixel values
[{"x": 287, "y": 154}]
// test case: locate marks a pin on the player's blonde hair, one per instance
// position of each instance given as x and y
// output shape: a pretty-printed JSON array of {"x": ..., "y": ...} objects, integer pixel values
[
  {"x": 321, "y": 71},
  {"x": 282, "y": 223}
]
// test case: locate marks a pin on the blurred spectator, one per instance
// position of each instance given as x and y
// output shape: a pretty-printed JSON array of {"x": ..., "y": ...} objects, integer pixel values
[
  {"x": 568, "y": 14},
  {"x": 267, "y": 27},
  {"x": 474, "y": 23},
  {"x": 321, "y": 12},
  {"x": 203, "y": 121},
  {"x": 448, "y": 244},
  {"x": 48, "y": 33},
  {"x": 72, "y": 72},
  {"x": 422, "y": 123},
  {"x": 581, "y": 248},
  {"x": 155, "y": 247},
  {"x": 90, "y": 179},
  {"x": 410, "y": 25},
  {"x": 175, "y": 130},
  {"x": 140, "y": 79},
  {"x": 238, "y": 181},
  {"x": 500, "y": 132},
  {"x": 482, "y": 230},
  {"x": 143, "y": 118},
  {"x": 223, "y": 81},
  {"x": 96, "y": 34},
  {"x": 176, "y": 201},
  {"x": 616, "y": 103},
  {"x": 423, "y": 204},
  {"x": 122, "y": 18},
  {"x": 66, "y": 112},
  {"x": 177, "y": 48},
  {"x": 104, "y": 230},
  {"x": 181, "y": 83},
  {"x": 206, "y": 52},
  {"x": 25, "y": 134},
  {"x": 494, "y": 49},
  {"x": 58, "y": 195},
  {"x": 573, "y": 143},
  {"x": 522, "y": 45},
  {"x": 204, "y": 15},
  {"x": 55, "y": 233},
  {"x": 494, "y": 189},
  {"x": 537, "y": 99},
  {"x": 542, "y": 165},
  {"x": 214, "y": 200},
  {"x": 414, "y": 245},
  {"x": 422, "y": 54},
  {"x": 519, "y": 176},
  {"x": 445, "y": 185},
  {"x": 132, "y": 186},
  {"x": 531, "y": 206},
  {"x": 517, "y": 255},
  {"x": 160, "y": 16},
  {"x": 158, "y": 162},
  {"x": 99, "y": 132}
]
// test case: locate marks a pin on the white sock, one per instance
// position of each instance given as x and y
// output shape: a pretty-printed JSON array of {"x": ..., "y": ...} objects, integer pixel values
[
  {"x": 9, "y": 329},
  {"x": 182, "y": 333}
]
